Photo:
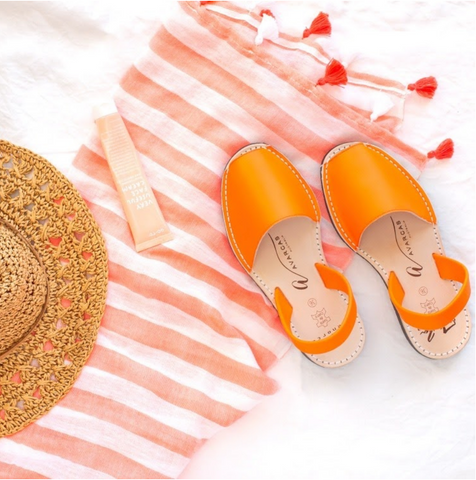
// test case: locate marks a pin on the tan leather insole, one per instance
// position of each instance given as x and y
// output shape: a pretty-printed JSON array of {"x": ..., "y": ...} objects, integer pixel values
[
  {"x": 404, "y": 243},
  {"x": 286, "y": 258}
]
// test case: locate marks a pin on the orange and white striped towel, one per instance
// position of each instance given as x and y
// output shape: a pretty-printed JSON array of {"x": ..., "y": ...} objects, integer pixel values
[{"x": 187, "y": 335}]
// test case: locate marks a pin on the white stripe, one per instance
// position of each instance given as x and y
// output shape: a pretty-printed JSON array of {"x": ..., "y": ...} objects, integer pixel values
[
  {"x": 171, "y": 132},
  {"x": 183, "y": 193},
  {"x": 329, "y": 234},
  {"x": 168, "y": 316},
  {"x": 394, "y": 91},
  {"x": 219, "y": 107},
  {"x": 45, "y": 464},
  {"x": 146, "y": 402},
  {"x": 291, "y": 101},
  {"x": 180, "y": 371},
  {"x": 241, "y": 318},
  {"x": 117, "y": 439},
  {"x": 97, "y": 192}
]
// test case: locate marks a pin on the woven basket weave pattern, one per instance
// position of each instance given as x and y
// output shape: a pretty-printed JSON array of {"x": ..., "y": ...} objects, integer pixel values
[
  {"x": 23, "y": 288},
  {"x": 52, "y": 290}
]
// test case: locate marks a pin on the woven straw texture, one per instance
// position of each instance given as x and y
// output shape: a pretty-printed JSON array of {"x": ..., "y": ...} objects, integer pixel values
[{"x": 53, "y": 279}]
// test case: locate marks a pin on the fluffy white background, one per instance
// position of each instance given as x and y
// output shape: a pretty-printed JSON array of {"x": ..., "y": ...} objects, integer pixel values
[{"x": 390, "y": 414}]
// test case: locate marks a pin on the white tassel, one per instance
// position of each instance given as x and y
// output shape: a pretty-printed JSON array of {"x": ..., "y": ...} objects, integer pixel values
[
  {"x": 337, "y": 50},
  {"x": 382, "y": 104},
  {"x": 268, "y": 29},
  {"x": 346, "y": 58}
]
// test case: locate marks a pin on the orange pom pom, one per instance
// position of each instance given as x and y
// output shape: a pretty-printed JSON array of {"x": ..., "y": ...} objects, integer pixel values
[
  {"x": 335, "y": 74},
  {"x": 319, "y": 26},
  {"x": 425, "y": 87},
  {"x": 445, "y": 150}
]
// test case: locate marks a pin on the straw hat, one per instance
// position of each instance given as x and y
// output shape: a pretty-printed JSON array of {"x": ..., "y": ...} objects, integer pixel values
[{"x": 53, "y": 277}]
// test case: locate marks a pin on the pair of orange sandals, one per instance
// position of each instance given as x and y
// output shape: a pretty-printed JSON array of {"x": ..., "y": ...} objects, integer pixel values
[{"x": 272, "y": 221}]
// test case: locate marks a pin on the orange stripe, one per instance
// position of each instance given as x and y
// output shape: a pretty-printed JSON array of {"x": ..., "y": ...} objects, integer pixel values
[
  {"x": 193, "y": 352},
  {"x": 84, "y": 453},
  {"x": 162, "y": 386},
  {"x": 378, "y": 81},
  {"x": 176, "y": 162},
  {"x": 338, "y": 256},
  {"x": 132, "y": 421},
  {"x": 138, "y": 85},
  {"x": 321, "y": 202},
  {"x": 94, "y": 166},
  {"x": 264, "y": 357},
  {"x": 307, "y": 88},
  {"x": 14, "y": 471},
  {"x": 176, "y": 53}
]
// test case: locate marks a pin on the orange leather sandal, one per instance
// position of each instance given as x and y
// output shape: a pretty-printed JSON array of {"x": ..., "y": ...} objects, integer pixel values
[
  {"x": 384, "y": 215},
  {"x": 272, "y": 222}
]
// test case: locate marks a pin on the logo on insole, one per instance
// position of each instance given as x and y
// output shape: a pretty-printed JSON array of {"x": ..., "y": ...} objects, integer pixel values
[
  {"x": 321, "y": 318},
  {"x": 423, "y": 291},
  {"x": 283, "y": 253},
  {"x": 430, "y": 306},
  {"x": 402, "y": 237}
]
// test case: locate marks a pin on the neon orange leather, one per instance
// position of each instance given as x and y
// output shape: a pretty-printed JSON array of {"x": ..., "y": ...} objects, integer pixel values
[
  {"x": 259, "y": 189},
  {"x": 389, "y": 188},
  {"x": 448, "y": 269},
  {"x": 334, "y": 280}
]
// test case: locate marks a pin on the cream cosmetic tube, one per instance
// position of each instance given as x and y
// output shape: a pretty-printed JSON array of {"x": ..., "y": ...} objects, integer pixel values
[{"x": 140, "y": 206}]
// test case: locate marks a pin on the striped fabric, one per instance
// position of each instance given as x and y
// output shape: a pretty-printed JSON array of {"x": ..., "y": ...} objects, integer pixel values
[{"x": 187, "y": 335}]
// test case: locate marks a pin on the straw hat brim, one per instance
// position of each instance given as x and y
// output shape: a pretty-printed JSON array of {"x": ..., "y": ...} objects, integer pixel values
[{"x": 45, "y": 209}]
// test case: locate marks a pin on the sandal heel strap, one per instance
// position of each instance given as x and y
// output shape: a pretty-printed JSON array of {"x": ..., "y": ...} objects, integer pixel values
[
  {"x": 449, "y": 269},
  {"x": 333, "y": 280}
]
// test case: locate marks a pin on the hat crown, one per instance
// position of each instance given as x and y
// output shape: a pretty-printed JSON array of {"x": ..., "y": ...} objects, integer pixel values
[{"x": 23, "y": 288}]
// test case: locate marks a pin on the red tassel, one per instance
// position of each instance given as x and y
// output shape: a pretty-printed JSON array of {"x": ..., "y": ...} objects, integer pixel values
[
  {"x": 335, "y": 74},
  {"x": 445, "y": 150},
  {"x": 266, "y": 12},
  {"x": 204, "y": 3},
  {"x": 426, "y": 87},
  {"x": 320, "y": 26}
]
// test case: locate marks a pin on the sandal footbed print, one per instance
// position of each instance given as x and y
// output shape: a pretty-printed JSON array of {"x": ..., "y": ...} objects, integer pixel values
[
  {"x": 272, "y": 222},
  {"x": 383, "y": 214}
]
